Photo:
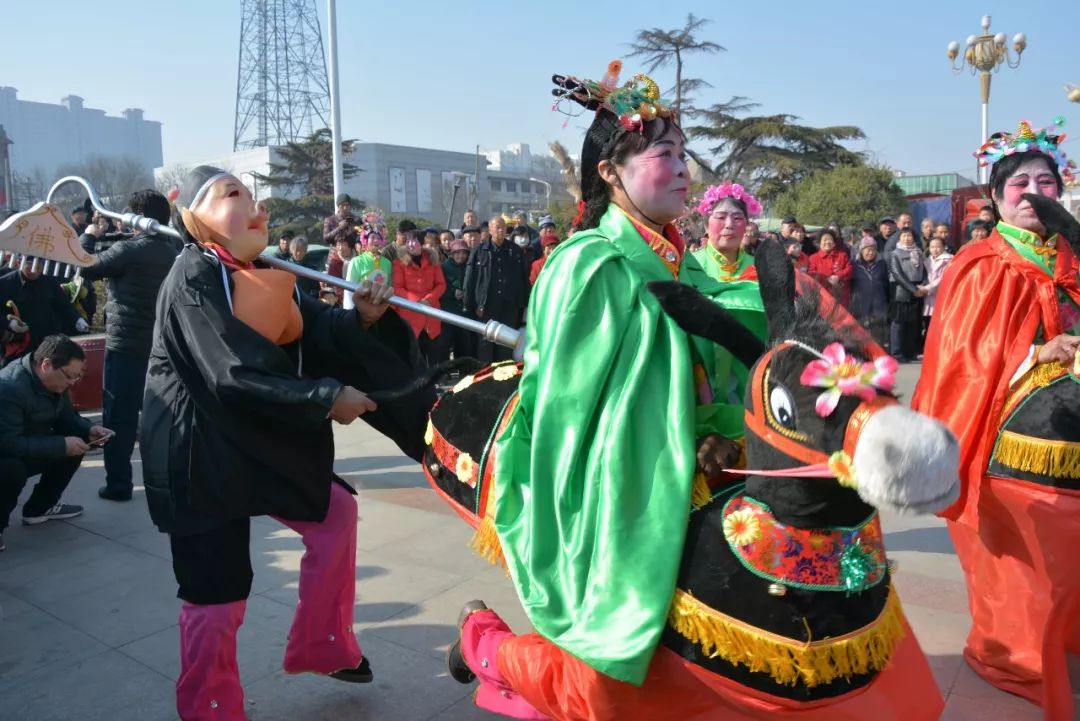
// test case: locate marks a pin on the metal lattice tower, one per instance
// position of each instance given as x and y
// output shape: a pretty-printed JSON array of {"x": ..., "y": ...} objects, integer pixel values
[{"x": 282, "y": 93}]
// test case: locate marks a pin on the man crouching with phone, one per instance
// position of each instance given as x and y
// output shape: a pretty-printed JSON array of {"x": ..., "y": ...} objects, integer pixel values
[{"x": 40, "y": 432}]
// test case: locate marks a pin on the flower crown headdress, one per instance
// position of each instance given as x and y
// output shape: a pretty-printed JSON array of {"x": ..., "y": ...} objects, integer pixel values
[
  {"x": 1046, "y": 140},
  {"x": 715, "y": 193},
  {"x": 634, "y": 103}
]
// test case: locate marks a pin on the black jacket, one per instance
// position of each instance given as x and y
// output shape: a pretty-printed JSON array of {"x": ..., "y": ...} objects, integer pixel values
[
  {"x": 498, "y": 277},
  {"x": 33, "y": 420},
  {"x": 43, "y": 305},
  {"x": 234, "y": 425},
  {"x": 454, "y": 274},
  {"x": 133, "y": 270},
  {"x": 869, "y": 289}
]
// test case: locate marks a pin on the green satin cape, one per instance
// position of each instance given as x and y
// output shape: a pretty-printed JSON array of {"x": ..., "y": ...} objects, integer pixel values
[
  {"x": 594, "y": 470},
  {"x": 742, "y": 298}
]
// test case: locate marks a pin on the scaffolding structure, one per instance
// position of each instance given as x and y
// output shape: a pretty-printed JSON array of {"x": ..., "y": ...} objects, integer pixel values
[{"x": 282, "y": 91}]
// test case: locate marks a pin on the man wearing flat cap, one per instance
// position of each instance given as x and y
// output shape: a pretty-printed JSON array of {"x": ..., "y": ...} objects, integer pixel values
[{"x": 341, "y": 225}]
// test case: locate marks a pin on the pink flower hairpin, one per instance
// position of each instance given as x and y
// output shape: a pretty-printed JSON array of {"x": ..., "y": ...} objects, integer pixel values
[{"x": 843, "y": 375}]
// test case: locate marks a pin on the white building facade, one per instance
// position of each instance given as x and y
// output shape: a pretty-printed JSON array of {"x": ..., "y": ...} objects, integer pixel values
[{"x": 46, "y": 136}]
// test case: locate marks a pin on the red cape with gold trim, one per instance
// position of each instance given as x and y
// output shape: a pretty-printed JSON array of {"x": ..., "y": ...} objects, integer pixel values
[
  {"x": 989, "y": 307},
  {"x": 1015, "y": 540}
]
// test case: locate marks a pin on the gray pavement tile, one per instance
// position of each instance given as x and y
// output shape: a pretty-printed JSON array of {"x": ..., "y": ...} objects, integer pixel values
[
  {"x": 148, "y": 539},
  {"x": 972, "y": 699},
  {"x": 33, "y": 640},
  {"x": 445, "y": 547},
  {"x": 116, "y": 613},
  {"x": 109, "y": 687},
  {"x": 35, "y": 546},
  {"x": 433, "y": 626},
  {"x": 385, "y": 524},
  {"x": 97, "y": 563},
  {"x": 939, "y": 632},
  {"x": 408, "y": 686},
  {"x": 11, "y": 606},
  {"x": 465, "y": 710}
]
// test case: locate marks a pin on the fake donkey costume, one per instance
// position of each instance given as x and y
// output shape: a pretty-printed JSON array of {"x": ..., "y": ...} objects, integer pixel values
[{"x": 243, "y": 373}]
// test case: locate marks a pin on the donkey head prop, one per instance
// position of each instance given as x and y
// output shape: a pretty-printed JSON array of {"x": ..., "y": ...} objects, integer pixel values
[{"x": 825, "y": 437}]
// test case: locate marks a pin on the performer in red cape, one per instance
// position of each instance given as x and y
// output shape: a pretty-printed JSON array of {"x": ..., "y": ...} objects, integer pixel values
[
  {"x": 1007, "y": 313},
  {"x": 245, "y": 376}
]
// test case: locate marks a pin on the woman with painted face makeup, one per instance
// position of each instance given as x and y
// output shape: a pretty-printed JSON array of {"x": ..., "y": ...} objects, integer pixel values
[
  {"x": 245, "y": 377},
  {"x": 596, "y": 463},
  {"x": 1007, "y": 309},
  {"x": 370, "y": 263}
]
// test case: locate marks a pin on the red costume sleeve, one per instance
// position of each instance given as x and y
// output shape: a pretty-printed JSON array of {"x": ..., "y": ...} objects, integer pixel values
[{"x": 989, "y": 307}]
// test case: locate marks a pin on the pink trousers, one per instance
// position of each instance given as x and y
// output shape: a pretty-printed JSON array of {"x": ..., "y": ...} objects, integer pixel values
[
  {"x": 321, "y": 639},
  {"x": 481, "y": 637}
]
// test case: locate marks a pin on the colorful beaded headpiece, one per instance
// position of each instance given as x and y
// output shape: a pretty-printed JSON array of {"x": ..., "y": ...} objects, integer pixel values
[
  {"x": 634, "y": 103},
  {"x": 1044, "y": 140},
  {"x": 715, "y": 193}
]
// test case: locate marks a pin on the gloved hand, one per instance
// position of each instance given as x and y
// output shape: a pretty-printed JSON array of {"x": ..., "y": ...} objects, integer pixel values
[
  {"x": 15, "y": 325},
  {"x": 82, "y": 326}
]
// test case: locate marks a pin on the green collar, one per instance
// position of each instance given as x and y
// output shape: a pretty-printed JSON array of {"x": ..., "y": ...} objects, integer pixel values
[{"x": 1031, "y": 246}]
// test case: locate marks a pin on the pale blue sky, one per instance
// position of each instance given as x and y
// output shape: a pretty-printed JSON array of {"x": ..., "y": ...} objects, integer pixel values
[{"x": 450, "y": 75}]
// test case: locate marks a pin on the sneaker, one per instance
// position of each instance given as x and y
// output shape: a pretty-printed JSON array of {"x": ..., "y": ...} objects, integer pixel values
[
  {"x": 361, "y": 674},
  {"x": 110, "y": 494},
  {"x": 57, "y": 513}
]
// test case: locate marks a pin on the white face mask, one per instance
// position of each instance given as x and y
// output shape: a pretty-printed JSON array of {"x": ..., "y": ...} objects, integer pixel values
[{"x": 521, "y": 240}]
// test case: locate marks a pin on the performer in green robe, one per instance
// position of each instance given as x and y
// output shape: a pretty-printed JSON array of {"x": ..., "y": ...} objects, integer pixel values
[
  {"x": 369, "y": 264},
  {"x": 594, "y": 470},
  {"x": 726, "y": 208}
]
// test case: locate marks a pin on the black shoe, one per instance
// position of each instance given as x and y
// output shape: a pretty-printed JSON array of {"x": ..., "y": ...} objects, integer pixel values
[
  {"x": 360, "y": 674},
  {"x": 455, "y": 661},
  {"x": 455, "y": 664},
  {"x": 110, "y": 494},
  {"x": 57, "y": 513}
]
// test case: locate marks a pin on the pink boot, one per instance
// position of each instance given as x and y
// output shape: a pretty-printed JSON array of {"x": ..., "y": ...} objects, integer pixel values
[
  {"x": 481, "y": 635},
  {"x": 321, "y": 639},
  {"x": 209, "y": 685}
]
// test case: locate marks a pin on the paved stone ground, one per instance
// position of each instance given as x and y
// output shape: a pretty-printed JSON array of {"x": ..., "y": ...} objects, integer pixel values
[{"x": 88, "y": 609}]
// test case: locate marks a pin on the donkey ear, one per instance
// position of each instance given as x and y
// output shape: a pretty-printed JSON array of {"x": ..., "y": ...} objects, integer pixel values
[
  {"x": 699, "y": 315},
  {"x": 776, "y": 278}
]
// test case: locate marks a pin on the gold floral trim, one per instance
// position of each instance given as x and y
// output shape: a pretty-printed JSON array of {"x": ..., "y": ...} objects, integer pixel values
[{"x": 787, "y": 660}]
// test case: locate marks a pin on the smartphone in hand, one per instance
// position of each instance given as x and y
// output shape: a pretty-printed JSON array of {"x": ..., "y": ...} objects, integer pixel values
[{"x": 97, "y": 443}]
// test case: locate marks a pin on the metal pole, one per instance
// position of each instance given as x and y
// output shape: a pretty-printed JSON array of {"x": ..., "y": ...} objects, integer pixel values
[
  {"x": 985, "y": 88},
  {"x": 492, "y": 331},
  {"x": 335, "y": 100}
]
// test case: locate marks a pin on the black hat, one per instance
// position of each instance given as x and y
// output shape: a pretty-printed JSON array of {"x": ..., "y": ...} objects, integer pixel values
[
  {"x": 80, "y": 208},
  {"x": 404, "y": 226},
  {"x": 344, "y": 198},
  {"x": 788, "y": 219},
  {"x": 887, "y": 219},
  {"x": 195, "y": 184},
  {"x": 791, "y": 240},
  {"x": 470, "y": 229},
  {"x": 869, "y": 226}
]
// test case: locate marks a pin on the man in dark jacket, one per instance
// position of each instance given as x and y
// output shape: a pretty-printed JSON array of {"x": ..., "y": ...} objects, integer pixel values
[
  {"x": 497, "y": 286},
  {"x": 40, "y": 432},
  {"x": 342, "y": 224},
  {"x": 133, "y": 270},
  {"x": 41, "y": 304}
]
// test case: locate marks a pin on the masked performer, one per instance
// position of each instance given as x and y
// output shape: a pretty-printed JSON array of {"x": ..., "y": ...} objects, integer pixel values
[
  {"x": 1005, "y": 324},
  {"x": 245, "y": 376}
]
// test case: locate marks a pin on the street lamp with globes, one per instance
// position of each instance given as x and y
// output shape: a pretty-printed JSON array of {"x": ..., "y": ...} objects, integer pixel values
[{"x": 984, "y": 54}]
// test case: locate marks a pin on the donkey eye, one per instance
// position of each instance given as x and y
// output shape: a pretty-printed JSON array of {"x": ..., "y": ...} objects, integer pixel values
[{"x": 782, "y": 406}]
